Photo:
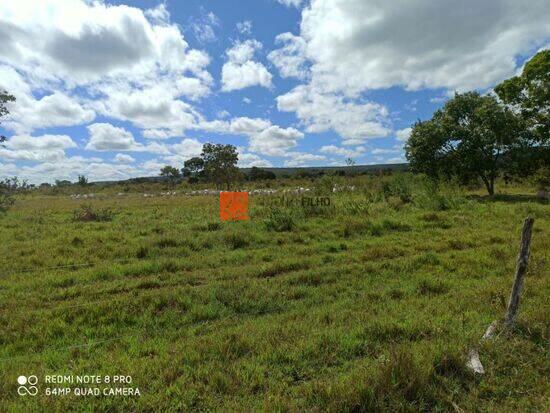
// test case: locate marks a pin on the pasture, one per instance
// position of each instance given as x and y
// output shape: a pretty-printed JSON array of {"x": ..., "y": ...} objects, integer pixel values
[{"x": 369, "y": 304}]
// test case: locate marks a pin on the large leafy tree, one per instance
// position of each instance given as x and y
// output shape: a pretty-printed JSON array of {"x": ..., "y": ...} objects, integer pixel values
[
  {"x": 469, "y": 138},
  {"x": 5, "y": 97},
  {"x": 220, "y": 163},
  {"x": 530, "y": 94}
]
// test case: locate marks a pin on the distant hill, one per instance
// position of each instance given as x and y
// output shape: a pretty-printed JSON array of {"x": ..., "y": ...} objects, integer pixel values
[
  {"x": 290, "y": 172},
  {"x": 357, "y": 169}
]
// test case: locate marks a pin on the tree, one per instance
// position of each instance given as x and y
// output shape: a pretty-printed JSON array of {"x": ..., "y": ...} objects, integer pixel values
[
  {"x": 220, "y": 163},
  {"x": 469, "y": 138},
  {"x": 258, "y": 174},
  {"x": 530, "y": 93},
  {"x": 5, "y": 97},
  {"x": 171, "y": 173},
  {"x": 193, "y": 168},
  {"x": 82, "y": 180}
]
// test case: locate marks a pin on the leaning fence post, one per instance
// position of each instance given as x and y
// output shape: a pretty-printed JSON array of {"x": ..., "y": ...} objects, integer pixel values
[
  {"x": 474, "y": 363},
  {"x": 521, "y": 268}
]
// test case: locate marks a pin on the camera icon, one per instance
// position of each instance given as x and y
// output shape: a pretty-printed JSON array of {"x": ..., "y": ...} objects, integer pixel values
[{"x": 27, "y": 385}]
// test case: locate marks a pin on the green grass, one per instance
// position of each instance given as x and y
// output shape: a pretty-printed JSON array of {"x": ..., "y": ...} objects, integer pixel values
[{"x": 369, "y": 306}]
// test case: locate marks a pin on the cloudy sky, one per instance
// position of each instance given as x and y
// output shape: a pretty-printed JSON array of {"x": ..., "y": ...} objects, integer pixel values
[{"x": 118, "y": 89}]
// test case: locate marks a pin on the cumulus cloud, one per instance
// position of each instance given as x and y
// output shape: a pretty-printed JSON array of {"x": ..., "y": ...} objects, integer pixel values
[
  {"x": 29, "y": 113},
  {"x": 105, "y": 52},
  {"x": 124, "y": 158},
  {"x": 248, "y": 160},
  {"x": 302, "y": 159},
  {"x": 241, "y": 71},
  {"x": 403, "y": 134},
  {"x": 354, "y": 122},
  {"x": 107, "y": 137},
  {"x": 345, "y": 152},
  {"x": 264, "y": 137},
  {"x": 290, "y": 59},
  {"x": 36, "y": 148},
  {"x": 275, "y": 141},
  {"x": 356, "y": 45}
]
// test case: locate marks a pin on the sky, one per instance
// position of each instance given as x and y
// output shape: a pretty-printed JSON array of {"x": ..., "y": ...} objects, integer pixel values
[{"x": 118, "y": 89}]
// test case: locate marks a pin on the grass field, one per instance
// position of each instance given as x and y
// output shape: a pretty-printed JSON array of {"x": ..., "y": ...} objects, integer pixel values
[{"x": 370, "y": 304}]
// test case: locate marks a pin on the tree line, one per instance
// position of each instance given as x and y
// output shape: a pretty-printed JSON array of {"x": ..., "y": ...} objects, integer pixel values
[{"x": 500, "y": 134}]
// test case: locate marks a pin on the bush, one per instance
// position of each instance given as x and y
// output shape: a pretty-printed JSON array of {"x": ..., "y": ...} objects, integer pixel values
[
  {"x": 399, "y": 186},
  {"x": 280, "y": 220},
  {"x": 87, "y": 214},
  {"x": 8, "y": 187}
]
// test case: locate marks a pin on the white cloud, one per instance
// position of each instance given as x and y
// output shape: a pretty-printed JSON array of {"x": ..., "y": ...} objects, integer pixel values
[
  {"x": 203, "y": 28},
  {"x": 124, "y": 158},
  {"x": 356, "y": 45},
  {"x": 106, "y": 137},
  {"x": 264, "y": 137},
  {"x": 105, "y": 52},
  {"x": 28, "y": 113},
  {"x": 383, "y": 151},
  {"x": 353, "y": 121},
  {"x": 36, "y": 148},
  {"x": 241, "y": 71},
  {"x": 403, "y": 134},
  {"x": 290, "y": 59},
  {"x": 302, "y": 159},
  {"x": 345, "y": 152},
  {"x": 245, "y": 27},
  {"x": 290, "y": 3},
  {"x": 184, "y": 150},
  {"x": 248, "y": 160},
  {"x": 275, "y": 141}
]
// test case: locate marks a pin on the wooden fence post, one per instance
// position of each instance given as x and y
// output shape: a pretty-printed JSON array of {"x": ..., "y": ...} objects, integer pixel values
[
  {"x": 474, "y": 363},
  {"x": 521, "y": 268}
]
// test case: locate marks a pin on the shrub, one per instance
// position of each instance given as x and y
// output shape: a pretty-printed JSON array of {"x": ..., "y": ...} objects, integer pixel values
[
  {"x": 399, "y": 186},
  {"x": 8, "y": 187},
  {"x": 280, "y": 220},
  {"x": 87, "y": 214}
]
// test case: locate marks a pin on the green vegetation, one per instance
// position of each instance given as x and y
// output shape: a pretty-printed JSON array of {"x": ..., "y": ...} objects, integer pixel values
[
  {"x": 479, "y": 137},
  {"x": 370, "y": 304}
]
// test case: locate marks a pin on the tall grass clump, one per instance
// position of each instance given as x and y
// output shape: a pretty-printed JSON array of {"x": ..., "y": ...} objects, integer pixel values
[
  {"x": 400, "y": 186},
  {"x": 438, "y": 195},
  {"x": 86, "y": 213},
  {"x": 280, "y": 219}
]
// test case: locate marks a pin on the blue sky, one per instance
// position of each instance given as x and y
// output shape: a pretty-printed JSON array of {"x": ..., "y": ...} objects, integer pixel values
[{"x": 117, "y": 89}]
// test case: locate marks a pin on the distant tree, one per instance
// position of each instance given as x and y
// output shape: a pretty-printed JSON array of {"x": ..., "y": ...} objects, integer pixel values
[
  {"x": 193, "y": 168},
  {"x": 8, "y": 187},
  {"x": 5, "y": 97},
  {"x": 220, "y": 164},
  {"x": 171, "y": 173},
  {"x": 258, "y": 174},
  {"x": 469, "y": 138},
  {"x": 62, "y": 183},
  {"x": 82, "y": 180}
]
